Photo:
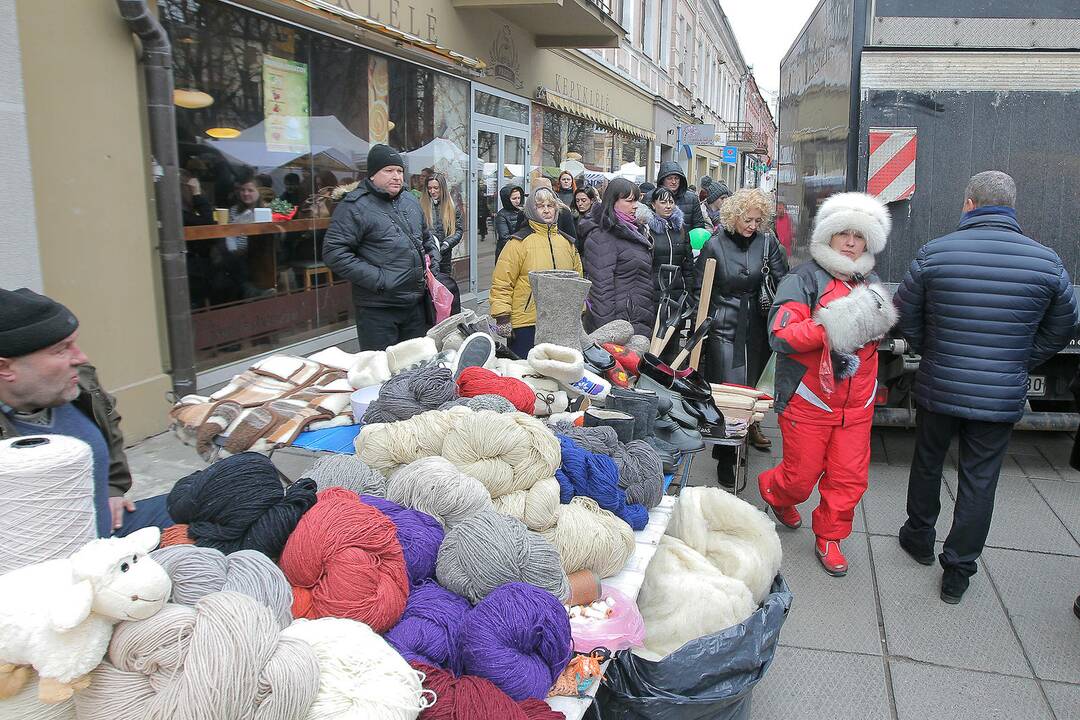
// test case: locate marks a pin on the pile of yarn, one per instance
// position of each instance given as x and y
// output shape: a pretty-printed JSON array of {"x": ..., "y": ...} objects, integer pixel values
[
  {"x": 475, "y": 381},
  {"x": 468, "y": 697},
  {"x": 595, "y": 475},
  {"x": 641, "y": 472},
  {"x": 434, "y": 485},
  {"x": 495, "y": 403},
  {"x": 346, "y": 471},
  {"x": 198, "y": 571},
  {"x": 410, "y": 393},
  {"x": 429, "y": 629},
  {"x": 238, "y": 504},
  {"x": 163, "y": 666},
  {"x": 344, "y": 560},
  {"x": 590, "y": 538},
  {"x": 419, "y": 534}
]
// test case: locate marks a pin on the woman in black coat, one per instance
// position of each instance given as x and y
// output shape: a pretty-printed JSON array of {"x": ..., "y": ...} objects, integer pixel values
[
  {"x": 510, "y": 217},
  {"x": 737, "y": 347},
  {"x": 618, "y": 261},
  {"x": 443, "y": 218},
  {"x": 671, "y": 242}
]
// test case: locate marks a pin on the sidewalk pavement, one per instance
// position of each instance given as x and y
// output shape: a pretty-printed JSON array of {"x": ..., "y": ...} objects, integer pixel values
[{"x": 879, "y": 643}]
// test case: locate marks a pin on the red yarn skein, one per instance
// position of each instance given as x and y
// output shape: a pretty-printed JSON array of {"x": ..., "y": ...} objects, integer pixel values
[
  {"x": 176, "y": 535},
  {"x": 474, "y": 698},
  {"x": 344, "y": 560},
  {"x": 477, "y": 380}
]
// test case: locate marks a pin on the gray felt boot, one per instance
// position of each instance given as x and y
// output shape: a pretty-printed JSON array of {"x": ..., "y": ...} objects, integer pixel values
[
  {"x": 448, "y": 327},
  {"x": 620, "y": 422},
  {"x": 560, "y": 298}
]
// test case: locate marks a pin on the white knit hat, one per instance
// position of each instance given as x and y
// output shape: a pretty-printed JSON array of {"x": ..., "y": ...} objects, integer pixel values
[{"x": 853, "y": 211}]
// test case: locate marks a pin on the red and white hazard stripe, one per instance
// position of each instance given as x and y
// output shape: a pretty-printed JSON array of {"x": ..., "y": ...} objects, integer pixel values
[{"x": 892, "y": 163}]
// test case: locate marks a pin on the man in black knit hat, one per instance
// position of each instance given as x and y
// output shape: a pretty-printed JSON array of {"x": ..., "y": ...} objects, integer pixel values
[
  {"x": 48, "y": 387},
  {"x": 378, "y": 240}
]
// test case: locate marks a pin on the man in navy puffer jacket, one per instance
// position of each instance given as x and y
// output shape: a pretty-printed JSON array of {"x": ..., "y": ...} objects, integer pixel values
[{"x": 984, "y": 306}]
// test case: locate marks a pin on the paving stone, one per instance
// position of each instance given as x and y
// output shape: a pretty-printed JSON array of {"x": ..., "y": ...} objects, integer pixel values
[
  {"x": 1059, "y": 457},
  {"x": 1038, "y": 592},
  {"x": 1023, "y": 521},
  {"x": 1064, "y": 499},
  {"x": 899, "y": 445},
  {"x": 1037, "y": 466},
  {"x": 814, "y": 685},
  {"x": 1065, "y": 699},
  {"x": 885, "y": 502},
  {"x": 927, "y": 691},
  {"x": 820, "y": 599},
  {"x": 974, "y": 634}
]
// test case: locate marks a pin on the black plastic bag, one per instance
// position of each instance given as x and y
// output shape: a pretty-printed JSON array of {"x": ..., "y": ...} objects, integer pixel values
[{"x": 710, "y": 678}]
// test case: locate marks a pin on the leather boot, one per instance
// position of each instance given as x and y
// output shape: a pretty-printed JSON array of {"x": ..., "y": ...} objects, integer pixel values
[{"x": 758, "y": 439}]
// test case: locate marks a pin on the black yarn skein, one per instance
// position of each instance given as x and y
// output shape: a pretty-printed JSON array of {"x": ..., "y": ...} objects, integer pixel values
[{"x": 238, "y": 504}]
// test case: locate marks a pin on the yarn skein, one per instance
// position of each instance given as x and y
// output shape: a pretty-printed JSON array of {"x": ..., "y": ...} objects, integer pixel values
[
  {"x": 489, "y": 550},
  {"x": 641, "y": 472},
  {"x": 198, "y": 571},
  {"x": 175, "y": 535},
  {"x": 224, "y": 658},
  {"x": 591, "y": 538},
  {"x": 518, "y": 637},
  {"x": 410, "y": 393},
  {"x": 420, "y": 536},
  {"x": 429, "y": 628},
  {"x": 361, "y": 676},
  {"x": 495, "y": 403},
  {"x": 475, "y": 381},
  {"x": 238, "y": 504},
  {"x": 537, "y": 507},
  {"x": 433, "y": 485},
  {"x": 475, "y": 698},
  {"x": 336, "y": 470},
  {"x": 47, "y": 493},
  {"x": 595, "y": 476},
  {"x": 344, "y": 560}
]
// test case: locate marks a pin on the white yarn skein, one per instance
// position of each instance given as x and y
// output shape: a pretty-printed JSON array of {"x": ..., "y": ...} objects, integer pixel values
[
  {"x": 47, "y": 496},
  {"x": 433, "y": 485},
  {"x": 591, "y": 538},
  {"x": 360, "y": 674},
  {"x": 537, "y": 507}
]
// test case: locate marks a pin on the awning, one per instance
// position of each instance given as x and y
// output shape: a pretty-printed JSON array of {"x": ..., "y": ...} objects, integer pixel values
[
  {"x": 573, "y": 107},
  {"x": 395, "y": 34}
]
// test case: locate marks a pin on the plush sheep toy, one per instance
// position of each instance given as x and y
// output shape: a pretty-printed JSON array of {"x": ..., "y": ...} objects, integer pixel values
[{"x": 58, "y": 616}]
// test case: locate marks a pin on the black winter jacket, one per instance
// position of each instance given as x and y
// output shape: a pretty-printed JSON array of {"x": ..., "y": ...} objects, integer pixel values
[
  {"x": 619, "y": 264},
  {"x": 984, "y": 305},
  {"x": 508, "y": 219},
  {"x": 446, "y": 244},
  {"x": 671, "y": 246},
  {"x": 378, "y": 244},
  {"x": 687, "y": 201}
]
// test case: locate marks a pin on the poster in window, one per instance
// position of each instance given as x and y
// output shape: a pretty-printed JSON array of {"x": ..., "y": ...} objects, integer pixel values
[{"x": 285, "y": 105}]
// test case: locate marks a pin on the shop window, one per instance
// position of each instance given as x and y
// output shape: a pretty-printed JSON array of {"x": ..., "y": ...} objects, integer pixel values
[
  {"x": 275, "y": 119},
  {"x": 502, "y": 108},
  {"x": 603, "y": 152}
]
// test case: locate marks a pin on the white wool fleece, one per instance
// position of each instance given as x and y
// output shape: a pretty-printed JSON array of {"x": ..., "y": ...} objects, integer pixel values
[{"x": 865, "y": 314}]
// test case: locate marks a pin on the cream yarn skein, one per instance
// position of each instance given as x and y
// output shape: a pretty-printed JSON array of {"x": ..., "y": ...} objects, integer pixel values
[
  {"x": 537, "y": 507},
  {"x": 433, "y": 485},
  {"x": 591, "y": 538}
]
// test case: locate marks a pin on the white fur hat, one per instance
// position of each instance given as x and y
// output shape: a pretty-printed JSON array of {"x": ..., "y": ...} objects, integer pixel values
[{"x": 853, "y": 211}]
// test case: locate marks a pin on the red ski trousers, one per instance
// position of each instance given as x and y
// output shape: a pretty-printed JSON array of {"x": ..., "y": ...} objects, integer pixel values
[{"x": 838, "y": 456}]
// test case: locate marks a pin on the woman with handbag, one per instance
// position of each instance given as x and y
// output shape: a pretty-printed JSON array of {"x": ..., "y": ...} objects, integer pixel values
[
  {"x": 749, "y": 264},
  {"x": 444, "y": 221}
]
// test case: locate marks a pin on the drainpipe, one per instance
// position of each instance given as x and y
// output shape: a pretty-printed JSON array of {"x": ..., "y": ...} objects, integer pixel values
[{"x": 158, "y": 76}]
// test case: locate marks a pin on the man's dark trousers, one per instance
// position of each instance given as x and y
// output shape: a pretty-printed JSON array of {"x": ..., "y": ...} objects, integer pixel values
[
  {"x": 377, "y": 328},
  {"x": 981, "y": 453}
]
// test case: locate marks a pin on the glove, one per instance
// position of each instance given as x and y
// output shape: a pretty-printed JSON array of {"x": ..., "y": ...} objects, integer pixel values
[{"x": 503, "y": 327}]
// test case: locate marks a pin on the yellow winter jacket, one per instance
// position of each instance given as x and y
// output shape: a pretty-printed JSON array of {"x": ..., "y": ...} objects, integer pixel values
[{"x": 537, "y": 247}]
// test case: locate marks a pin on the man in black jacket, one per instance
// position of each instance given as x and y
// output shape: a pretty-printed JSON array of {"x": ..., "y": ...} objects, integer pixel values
[
  {"x": 673, "y": 178},
  {"x": 378, "y": 240},
  {"x": 983, "y": 306}
]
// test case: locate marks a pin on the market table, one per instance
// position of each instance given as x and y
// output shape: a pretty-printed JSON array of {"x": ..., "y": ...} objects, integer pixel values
[{"x": 741, "y": 468}]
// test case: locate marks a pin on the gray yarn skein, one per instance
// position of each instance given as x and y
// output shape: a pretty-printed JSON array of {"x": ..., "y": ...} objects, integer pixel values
[
  {"x": 349, "y": 472},
  {"x": 489, "y": 550},
  {"x": 199, "y": 571},
  {"x": 495, "y": 403},
  {"x": 641, "y": 472},
  {"x": 410, "y": 393},
  {"x": 435, "y": 486}
]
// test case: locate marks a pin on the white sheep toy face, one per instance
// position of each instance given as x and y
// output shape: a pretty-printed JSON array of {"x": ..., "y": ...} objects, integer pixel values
[{"x": 115, "y": 579}]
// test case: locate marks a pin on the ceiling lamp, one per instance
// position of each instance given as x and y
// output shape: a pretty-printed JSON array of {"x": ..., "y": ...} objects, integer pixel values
[
  {"x": 223, "y": 133},
  {"x": 192, "y": 99}
]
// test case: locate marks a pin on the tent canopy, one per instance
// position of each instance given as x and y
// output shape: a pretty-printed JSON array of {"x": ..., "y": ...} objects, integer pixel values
[{"x": 330, "y": 141}]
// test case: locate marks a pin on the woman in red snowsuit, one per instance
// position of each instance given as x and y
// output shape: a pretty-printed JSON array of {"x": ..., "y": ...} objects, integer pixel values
[{"x": 824, "y": 326}]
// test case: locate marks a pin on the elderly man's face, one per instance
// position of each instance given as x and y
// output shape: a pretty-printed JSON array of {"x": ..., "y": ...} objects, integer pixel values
[{"x": 43, "y": 379}]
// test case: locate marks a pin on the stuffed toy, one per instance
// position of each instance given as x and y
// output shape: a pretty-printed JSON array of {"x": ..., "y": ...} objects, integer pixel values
[{"x": 58, "y": 616}]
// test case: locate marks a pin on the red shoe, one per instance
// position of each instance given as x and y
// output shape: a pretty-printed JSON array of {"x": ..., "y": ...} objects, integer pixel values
[
  {"x": 788, "y": 515},
  {"x": 832, "y": 559},
  {"x": 617, "y": 375},
  {"x": 627, "y": 358}
]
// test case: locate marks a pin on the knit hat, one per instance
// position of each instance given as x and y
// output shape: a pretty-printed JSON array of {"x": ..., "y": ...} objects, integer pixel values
[
  {"x": 380, "y": 156},
  {"x": 30, "y": 322},
  {"x": 646, "y": 188},
  {"x": 856, "y": 211},
  {"x": 714, "y": 190}
]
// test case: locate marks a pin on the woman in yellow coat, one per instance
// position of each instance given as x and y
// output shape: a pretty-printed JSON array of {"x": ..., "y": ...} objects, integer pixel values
[{"x": 537, "y": 246}]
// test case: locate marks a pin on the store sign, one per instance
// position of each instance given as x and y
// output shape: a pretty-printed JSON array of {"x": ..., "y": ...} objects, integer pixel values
[
  {"x": 582, "y": 93},
  {"x": 698, "y": 134},
  {"x": 504, "y": 58},
  {"x": 397, "y": 14},
  {"x": 285, "y": 105},
  {"x": 730, "y": 155}
]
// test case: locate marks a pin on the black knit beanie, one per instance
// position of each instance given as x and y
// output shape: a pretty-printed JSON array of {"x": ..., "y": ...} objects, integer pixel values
[
  {"x": 380, "y": 156},
  {"x": 716, "y": 190},
  {"x": 30, "y": 322}
]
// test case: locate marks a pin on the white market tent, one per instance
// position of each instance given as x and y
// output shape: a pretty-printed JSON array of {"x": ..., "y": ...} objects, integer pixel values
[{"x": 330, "y": 140}]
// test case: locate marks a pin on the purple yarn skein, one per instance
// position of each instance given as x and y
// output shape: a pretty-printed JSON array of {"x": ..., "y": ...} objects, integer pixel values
[
  {"x": 429, "y": 628},
  {"x": 420, "y": 536},
  {"x": 595, "y": 475},
  {"x": 518, "y": 637}
]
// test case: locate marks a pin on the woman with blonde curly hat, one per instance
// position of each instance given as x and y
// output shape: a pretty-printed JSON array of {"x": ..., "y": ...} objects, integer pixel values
[
  {"x": 824, "y": 326},
  {"x": 737, "y": 348}
]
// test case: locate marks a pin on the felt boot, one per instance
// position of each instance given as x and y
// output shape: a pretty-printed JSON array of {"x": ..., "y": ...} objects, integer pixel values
[
  {"x": 620, "y": 422},
  {"x": 560, "y": 297},
  {"x": 439, "y": 333}
]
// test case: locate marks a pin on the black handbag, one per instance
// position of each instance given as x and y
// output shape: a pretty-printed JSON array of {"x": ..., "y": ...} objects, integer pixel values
[{"x": 767, "y": 290}]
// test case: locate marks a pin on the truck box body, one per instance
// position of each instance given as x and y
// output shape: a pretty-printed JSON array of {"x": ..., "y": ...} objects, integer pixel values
[{"x": 985, "y": 84}]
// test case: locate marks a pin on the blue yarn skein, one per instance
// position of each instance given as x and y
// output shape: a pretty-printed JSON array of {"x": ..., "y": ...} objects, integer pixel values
[{"x": 596, "y": 476}]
